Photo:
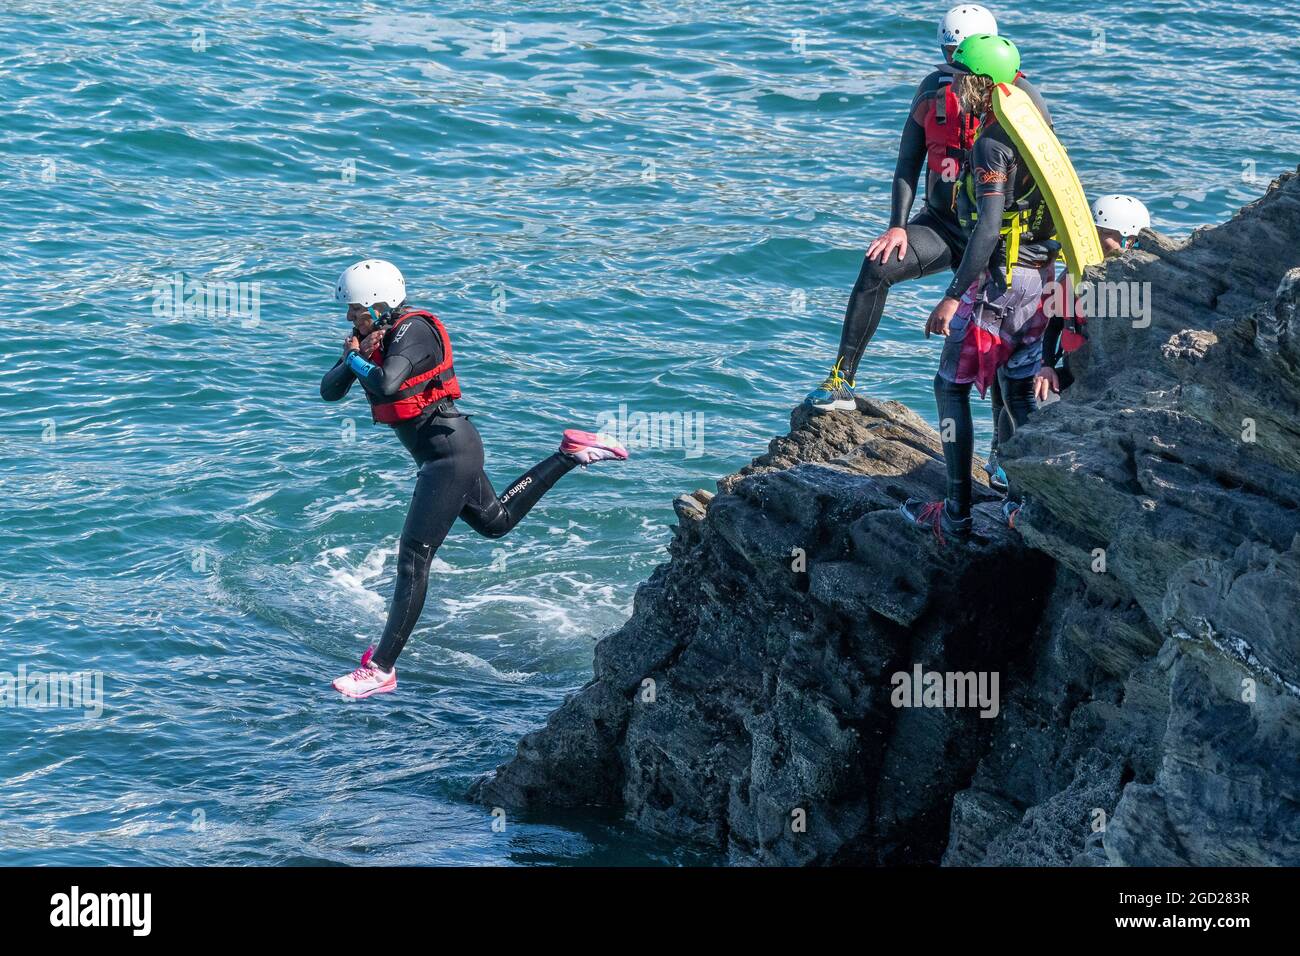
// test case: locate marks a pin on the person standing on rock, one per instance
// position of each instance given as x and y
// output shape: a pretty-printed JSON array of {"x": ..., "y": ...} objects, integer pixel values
[
  {"x": 402, "y": 358},
  {"x": 990, "y": 313},
  {"x": 938, "y": 133}
]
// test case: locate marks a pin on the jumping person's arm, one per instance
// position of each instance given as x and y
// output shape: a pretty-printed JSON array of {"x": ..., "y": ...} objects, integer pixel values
[
  {"x": 337, "y": 382},
  {"x": 383, "y": 379},
  {"x": 412, "y": 346}
]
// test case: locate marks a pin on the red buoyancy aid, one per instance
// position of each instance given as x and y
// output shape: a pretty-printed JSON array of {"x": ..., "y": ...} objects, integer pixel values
[
  {"x": 949, "y": 132},
  {"x": 419, "y": 391}
]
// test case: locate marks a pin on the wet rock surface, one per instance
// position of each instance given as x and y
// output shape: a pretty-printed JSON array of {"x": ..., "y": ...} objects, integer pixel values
[{"x": 1142, "y": 620}]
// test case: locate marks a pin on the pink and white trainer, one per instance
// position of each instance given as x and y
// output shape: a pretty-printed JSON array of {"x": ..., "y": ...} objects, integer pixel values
[
  {"x": 586, "y": 448},
  {"x": 366, "y": 679}
]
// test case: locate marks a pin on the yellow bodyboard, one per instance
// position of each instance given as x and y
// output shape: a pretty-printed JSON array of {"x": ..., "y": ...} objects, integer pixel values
[{"x": 1055, "y": 176}]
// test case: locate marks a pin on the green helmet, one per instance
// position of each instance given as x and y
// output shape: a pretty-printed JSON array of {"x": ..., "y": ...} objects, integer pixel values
[{"x": 985, "y": 54}]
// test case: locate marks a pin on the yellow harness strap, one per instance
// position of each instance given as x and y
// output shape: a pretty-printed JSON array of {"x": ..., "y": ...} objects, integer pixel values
[{"x": 1014, "y": 224}]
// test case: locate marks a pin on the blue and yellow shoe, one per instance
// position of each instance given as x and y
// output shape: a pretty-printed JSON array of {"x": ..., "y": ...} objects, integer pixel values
[{"x": 834, "y": 394}]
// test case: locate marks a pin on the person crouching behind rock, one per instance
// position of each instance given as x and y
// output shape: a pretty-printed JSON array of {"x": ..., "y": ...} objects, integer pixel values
[
  {"x": 990, "y": 313},
  {"x": 1119, "y": 219}
]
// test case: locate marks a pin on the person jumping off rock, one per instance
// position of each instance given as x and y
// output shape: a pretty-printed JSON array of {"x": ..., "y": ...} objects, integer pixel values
[{"x": 402, "y": 358}]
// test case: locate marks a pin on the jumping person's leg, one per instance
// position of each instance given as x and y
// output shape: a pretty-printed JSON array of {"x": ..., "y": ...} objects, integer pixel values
[
  {"x": 443, "y": 485},
  {"x": 440, "y": 489},
  {"x": 451, "y": 483},
  {"x": 493, "y": 516},
  {"x": 438, "y": 495},
  {"x": 434, "y": 507}
]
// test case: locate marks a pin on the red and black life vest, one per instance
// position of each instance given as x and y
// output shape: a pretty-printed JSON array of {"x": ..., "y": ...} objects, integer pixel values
[
  {"x": 419, "y": 391},
  {"x": 949, "y": 133}
]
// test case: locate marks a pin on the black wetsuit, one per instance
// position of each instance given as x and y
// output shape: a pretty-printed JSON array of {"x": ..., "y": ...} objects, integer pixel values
[
  {"x": 450, "y": 483},
  {"x": 1053, "y": 354},
  {"x": 1001, "y": 177},
  {"x": 935, "y": 240}
]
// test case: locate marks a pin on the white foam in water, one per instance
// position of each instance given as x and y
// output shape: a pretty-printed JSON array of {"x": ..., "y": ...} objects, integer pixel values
[
  {"x": 552, "y": 614},
  {"x": 350, "y": 503},
  {"x": 352, "y": 581},
  {"x": 473, "y": 662},
  {"x": 575, "y": 607}
]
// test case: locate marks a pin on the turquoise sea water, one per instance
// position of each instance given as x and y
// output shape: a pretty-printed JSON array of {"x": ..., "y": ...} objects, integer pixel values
[{"x": 656, "y": 205}]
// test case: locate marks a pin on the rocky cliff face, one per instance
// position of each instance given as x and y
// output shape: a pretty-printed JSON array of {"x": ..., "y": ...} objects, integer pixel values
[{"x": 1142, "y": 621}]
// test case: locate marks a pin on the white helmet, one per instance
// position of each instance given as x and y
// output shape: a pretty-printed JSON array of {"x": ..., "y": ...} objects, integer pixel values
[
  {"x": 965, "y": 21},
  {"x": 371, "y": 281},
  {"x": 1124, "y": 214}
]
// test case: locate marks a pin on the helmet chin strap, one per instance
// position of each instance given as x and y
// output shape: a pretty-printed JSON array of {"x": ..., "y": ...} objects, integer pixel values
[{"x": 379, "y": 318}]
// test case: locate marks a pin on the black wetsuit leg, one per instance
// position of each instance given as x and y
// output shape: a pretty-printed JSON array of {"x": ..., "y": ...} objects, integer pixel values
[
  {"x": 493, "y": 516},
  {"x": 955, "y": 420},
  {"x": 999, "y": 407},
  {"x": 1019, "y": 405},
  {"x": 932, "y": 246},
  {"x": 451, "y": 483},
  {"x": 1016, "y": 396}
]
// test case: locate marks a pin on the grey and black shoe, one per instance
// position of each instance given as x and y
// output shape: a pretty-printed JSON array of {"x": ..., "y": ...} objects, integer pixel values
[{"x": 935, "y": 516}]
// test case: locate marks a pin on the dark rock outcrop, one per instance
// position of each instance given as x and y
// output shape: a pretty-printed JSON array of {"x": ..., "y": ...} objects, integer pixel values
[{"x": 1142, "y": 622}]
